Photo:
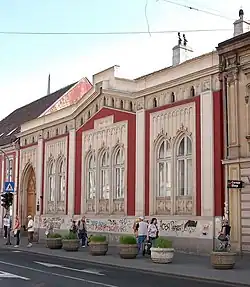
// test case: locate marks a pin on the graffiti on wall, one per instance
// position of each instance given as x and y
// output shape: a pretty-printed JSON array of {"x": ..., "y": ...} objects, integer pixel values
[
  {"x": 185, "y": 228},
  {"x": 122, "y": 225}
]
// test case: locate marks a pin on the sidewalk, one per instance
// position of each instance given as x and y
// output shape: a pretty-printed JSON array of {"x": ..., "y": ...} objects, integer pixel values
[{"x": 184, "y": 265}]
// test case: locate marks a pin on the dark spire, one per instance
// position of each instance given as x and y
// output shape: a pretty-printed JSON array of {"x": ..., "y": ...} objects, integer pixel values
[{"x": 48, "y": 88}]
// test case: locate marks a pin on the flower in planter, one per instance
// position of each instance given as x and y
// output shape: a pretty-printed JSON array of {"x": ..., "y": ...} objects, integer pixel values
[
  {"x": 71, "y": 236},
  {"x": 128, "y": 239},
  {"x": 162, "y": 242},
  {"x": 97, "y": 238},
  {"x": 54, "y": 235}
]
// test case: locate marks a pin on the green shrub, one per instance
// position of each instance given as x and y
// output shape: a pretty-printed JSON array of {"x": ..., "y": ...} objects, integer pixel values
[
  {"x": 128, "y": 239},
  {"x": 162, "y": 242},
  {"x": 70, "y": 236},
  {"x": 98, "y": 238},
  {"x": 54, "y": 235}
]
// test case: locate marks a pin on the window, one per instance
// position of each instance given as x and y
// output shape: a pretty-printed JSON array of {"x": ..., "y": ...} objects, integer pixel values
[
  {"x": 51, "y": 183},
  {"x": 9, "y": 169},
  {"x": 89, "y": 114},
  {"x": 119, "y": 174},
  {"x": 96, "y": 108},
  {"x": 164, "y": 170},
  {"x": 112, "y": 102},
  {"x": 184, "y": 167},
  {"x": 81, "y": 121},
  {"x": 104, "y": 101},
  {"x": 154, "y": 103},
  {"x": 172, "y": 97},
  {"x": 61, "y": 181},
  {"x": 66, "y": 129},
  {"x": 131, "y": 106},
  {"x": 192, "y": 92},
  {"x": 122, "y": 105},
  {"x": 91, "y": 177},
  {"x": 57, "y": 132},
  {"x": 104, "y": 176}
]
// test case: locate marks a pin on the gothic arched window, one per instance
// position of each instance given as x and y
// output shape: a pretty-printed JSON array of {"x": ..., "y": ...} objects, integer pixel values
[
  {"x": 119, "y": 174},
  {"x": 61, "y": 181},
  {"x": 91, "y": 177},
  {"x": 184, "y": 167},
  {"x": 51, "y": 181},
  {"x": 104, "y": 176}
]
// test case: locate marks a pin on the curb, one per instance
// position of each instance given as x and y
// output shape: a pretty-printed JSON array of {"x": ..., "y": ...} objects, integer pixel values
[{"x": 141, "y": 269}]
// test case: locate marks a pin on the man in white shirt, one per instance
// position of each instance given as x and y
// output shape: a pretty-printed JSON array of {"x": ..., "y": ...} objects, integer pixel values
[
  {"x": 142, "y": 230},
  {"x": 6, "y": 225},
  {"x": 30, "y": 230}
]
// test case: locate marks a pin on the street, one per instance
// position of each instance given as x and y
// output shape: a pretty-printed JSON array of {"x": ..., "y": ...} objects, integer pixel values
[{"x": 23, "y": 269}]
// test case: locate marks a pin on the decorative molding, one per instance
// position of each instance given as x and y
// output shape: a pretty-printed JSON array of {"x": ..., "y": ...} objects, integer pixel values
[{"x": 140, "y": 104}]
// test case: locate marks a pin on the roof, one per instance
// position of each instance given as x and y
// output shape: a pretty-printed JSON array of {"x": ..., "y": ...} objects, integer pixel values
[
  {"x": 11, "y": 125},
  {"x": 233, "y": 40}
]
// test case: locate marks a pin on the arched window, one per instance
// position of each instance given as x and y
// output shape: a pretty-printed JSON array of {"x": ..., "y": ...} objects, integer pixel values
[
  {"x": 172, "y": 97},
  {"x": 164, "y": 170},
  {"x": 89, "y": 114},
  {"x": 154, "y": 103},
  {"x": 119, "y": 174},
  {"x": 104, "y": 176},
  {"x": 96, "y": 108},
  {"x": 131, "y": 106},
  {"x": 184, "y": 167},
  {"x": 51, "y": 181},
  {"x": 91, "y": 177},
  {"x": 61, "y": 181},
  {"x": 122, "y": 105},
  {"x": 112, "y": 102},
  {"x": 81, "y": 121},
  {"x": 104, "y": 101},
  {"x": 192, "y": 92}
]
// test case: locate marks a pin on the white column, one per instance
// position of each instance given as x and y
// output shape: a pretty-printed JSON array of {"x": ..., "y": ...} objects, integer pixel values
[
  {"x": 39, "y": 174},
  {"x": 71, "y": 171},
  {"x": 207, "y": 154},
  {"x": 140, "y": 163},
  {"x": 16, "y": 187}
]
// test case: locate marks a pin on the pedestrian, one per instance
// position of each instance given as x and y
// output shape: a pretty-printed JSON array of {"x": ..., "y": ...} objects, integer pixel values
[
  {"x": 73, "y": 227},
  {"x": 30, "y": 230},
  {"x": 82, "y": 231},
  {"x": 6, "y": 225},
  {"x": 153, "y": 231},
  {"x": 16, "y": 231},
  {"x": 142, "y": 231}
]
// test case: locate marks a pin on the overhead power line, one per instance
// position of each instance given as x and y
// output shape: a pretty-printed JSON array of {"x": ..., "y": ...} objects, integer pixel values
[
  {"x": 197, "y": 9},
  {"x": 111, "y": 33}
]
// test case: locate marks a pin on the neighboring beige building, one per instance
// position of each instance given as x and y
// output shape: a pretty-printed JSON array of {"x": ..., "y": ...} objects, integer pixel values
[{"x": 234, "y": 57}]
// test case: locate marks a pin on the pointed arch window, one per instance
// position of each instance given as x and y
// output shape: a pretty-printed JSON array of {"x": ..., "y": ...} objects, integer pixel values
[
  {"x": 51, "y": 181},
  {"x": 119, "y": 174},
  {"x": 91, "y": 177},
  {"x": 61, "y": 181},
  {"x": 164, "y": 169},
  {"x": 104, "y": 176},
  {"x": 184, "y": 167}
]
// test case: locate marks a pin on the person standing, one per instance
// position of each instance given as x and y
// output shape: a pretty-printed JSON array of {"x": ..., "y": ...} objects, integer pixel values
[
  {"x": 30, "y": 230},
  {"x": 82, "y": 231},
  {"x": 6, "y": 225},
  {"x": 17, "y": 228},
  {"x": 153, "y": 231},
  {"x": 142, "y": 231}
]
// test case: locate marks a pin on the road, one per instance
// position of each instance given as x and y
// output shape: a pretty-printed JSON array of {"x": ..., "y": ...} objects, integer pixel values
[{"x": 23, "y": 269}]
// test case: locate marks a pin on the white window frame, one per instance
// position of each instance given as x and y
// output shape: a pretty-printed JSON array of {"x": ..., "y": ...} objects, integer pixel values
[
  {"x": 185, "y": 158},
  {"x": 51, "y": 181},
  {"x": 91, "y": 171},
  {"x": 119, "y": 168},
  {"x": 166, "y": 160},
  {"x": 104, "y": 171},
  {"x": 61, "y": 181}
]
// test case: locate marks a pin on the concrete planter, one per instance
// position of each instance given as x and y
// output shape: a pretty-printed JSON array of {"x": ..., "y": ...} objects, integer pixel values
[
  {"x": 162, "y": 255},
  {"x": 98, "y": 248},
  {"x": 54, "y": 243},
  {"x": 70, "y": 244},
  {"x": 128, "y": 251},
  {"x": 223, "y": 260}
]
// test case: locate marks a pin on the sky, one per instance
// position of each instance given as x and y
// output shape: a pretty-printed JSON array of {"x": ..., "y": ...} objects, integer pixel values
[{"x": 27, "y": 60}]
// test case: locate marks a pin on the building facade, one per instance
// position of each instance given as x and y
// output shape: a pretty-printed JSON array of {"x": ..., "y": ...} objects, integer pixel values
[
  {"x": 149, "y": 146},
  {"x": 235, "y": 76}
]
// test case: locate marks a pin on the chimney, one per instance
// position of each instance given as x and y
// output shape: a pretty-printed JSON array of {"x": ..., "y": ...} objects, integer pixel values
[
  {"x": 181, "y": 52},
  {"x": 241, "y": 26},
  {"x": 48, "y": 88}
]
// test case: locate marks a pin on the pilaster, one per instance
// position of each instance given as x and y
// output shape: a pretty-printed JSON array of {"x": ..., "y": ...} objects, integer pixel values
[
  {"x": 207, "y": 154},
  {"x": 39, "y": 173},
  {"x": 71, "y": 169},
  {"x": 140, "y": 163}
]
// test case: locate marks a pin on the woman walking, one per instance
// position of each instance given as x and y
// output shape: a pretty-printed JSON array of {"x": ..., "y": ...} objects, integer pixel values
[{"x": 17, "y": 228}]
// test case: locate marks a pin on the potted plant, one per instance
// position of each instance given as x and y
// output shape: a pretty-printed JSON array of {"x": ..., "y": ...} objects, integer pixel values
[
  {"x": 128, "y": 247},
  {"x": 54, "y": 241},
  {"x": 71, "y": 242},
  {"x": 98, "y": 245},
  {"x": 222, "y": 259},
  {"x": 162, "y": 252}
]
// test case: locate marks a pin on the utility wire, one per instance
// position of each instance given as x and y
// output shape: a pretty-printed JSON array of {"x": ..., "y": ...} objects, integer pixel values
[
  {"x": 111, "y": 33},
  {"x": 197, "y": 9}
]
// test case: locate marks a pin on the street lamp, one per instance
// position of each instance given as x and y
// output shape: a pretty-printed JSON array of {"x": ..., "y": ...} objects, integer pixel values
[{"x": 8, "y": 207}]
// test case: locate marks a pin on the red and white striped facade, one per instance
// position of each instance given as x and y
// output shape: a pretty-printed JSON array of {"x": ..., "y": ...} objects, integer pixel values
[{"x": 151, "y": 146}]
